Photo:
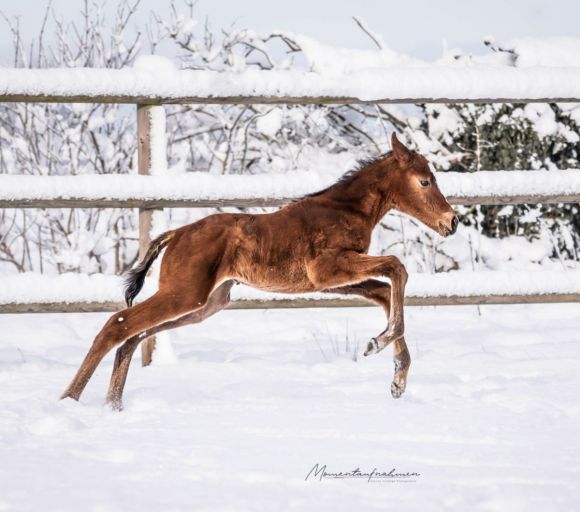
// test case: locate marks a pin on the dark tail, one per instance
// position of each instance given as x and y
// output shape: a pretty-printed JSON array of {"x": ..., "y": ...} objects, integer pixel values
[{"x": 136, "y": 277}]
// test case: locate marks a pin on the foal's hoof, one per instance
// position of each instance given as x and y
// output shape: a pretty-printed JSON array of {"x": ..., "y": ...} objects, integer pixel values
[
  {"x": 372, "y": 348},
  {"x": 69, "y": 394},
  {"x": 396, "y": 390},
  {"x": 115, "y": 404}
]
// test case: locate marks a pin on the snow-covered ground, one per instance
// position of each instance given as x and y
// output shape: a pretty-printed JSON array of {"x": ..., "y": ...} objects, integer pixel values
[{"x": 490, "y": 419}]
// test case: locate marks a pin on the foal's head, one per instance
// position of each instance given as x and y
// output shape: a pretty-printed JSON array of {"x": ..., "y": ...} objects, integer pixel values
[{"x": 416, "y": 192}]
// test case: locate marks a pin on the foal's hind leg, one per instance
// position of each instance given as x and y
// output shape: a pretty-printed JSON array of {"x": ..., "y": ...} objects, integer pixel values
[
  {"x": 217, "y": 301},
  {"x": 380, "y": 293},
  {"x": 135, "y": 321},
  {"x": 120, "y": 369}
]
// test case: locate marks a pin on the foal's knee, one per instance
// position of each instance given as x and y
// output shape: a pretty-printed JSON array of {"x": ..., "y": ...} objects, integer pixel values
[{"x": 398, "y": 270}]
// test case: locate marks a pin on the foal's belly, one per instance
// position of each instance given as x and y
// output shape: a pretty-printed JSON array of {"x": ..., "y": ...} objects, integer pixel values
[
  {"x": 270, "y": 254},
  {"x": 274, "y": 282},
  {"x": 283, "y": 277}
]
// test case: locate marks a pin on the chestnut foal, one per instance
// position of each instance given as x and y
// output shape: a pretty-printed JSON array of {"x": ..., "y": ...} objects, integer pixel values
[{"x": 315, "y": 244}]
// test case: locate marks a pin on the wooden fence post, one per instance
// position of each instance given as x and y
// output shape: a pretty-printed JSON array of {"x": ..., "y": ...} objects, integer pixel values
[{"x": 145, "y": 214}]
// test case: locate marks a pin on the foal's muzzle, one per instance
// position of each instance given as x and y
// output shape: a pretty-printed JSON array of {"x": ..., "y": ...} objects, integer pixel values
[{"x": 449, "y": 229}]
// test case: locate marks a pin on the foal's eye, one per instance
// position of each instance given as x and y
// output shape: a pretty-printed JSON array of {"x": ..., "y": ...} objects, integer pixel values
[{"x": 424, "y": 183}]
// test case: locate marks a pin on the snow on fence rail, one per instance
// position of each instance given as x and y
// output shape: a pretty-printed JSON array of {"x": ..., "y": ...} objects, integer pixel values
[
  {"x": 430, "y": 83},
  {"x": 197, "y": 189},
  {"x": 99, "y": 293}
]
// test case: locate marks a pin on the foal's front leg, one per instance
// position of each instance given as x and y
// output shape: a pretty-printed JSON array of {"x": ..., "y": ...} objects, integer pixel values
[
  {"x": 402, "y": 360},
  {"x": 338, "y": 268},
  {"x": 395, "y": 330},
  {"x": 380, "y": 293}
]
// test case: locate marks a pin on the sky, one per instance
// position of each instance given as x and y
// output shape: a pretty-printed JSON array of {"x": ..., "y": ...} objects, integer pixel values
[{"x": 417, "y": 27}]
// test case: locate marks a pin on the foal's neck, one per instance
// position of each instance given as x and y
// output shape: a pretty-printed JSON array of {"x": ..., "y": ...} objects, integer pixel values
[{"x": 367, "y": 191}]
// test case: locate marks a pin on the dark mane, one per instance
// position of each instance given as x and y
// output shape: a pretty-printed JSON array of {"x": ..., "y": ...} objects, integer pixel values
[{"x": 349, "y": 176}]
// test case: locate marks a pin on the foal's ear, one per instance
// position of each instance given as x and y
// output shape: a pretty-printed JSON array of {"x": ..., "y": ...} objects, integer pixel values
[{"x": 400, "y": 151}]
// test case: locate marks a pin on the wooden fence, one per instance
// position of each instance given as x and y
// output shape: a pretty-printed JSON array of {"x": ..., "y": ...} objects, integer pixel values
[{"x": 146, "y": 207}]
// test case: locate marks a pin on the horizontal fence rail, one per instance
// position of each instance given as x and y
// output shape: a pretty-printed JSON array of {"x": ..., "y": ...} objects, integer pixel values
[
  {"x": 266, "y": 100},
  {"x": 202, "y": 190},
  {"x": 255, "y": 202},
  {"x": 397, "y": 84},
  {"x": 27, "y": 293},
  {"x": 457, "y": 300}
]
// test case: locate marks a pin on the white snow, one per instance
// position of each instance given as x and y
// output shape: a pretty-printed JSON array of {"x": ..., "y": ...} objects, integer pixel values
[
  {"x": 397, "y": 83},
  {"x": 543, "y": 120},
  {"x": 331, "y": 60},
  {"x": 29, "y": 288},
  {"x": 155, "y": 64},
  {"x": 509, "y": 183},
  {"x": 158, "y": 140},
  {"x": 521, "y": 68},
  {"x": 189, "y": 185},
  {"x": 490, "y": 419},
  {"x": 543, "y": 51},
  {"x": 271, "y": 122},
  {"x": 205, "y": 186}
]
